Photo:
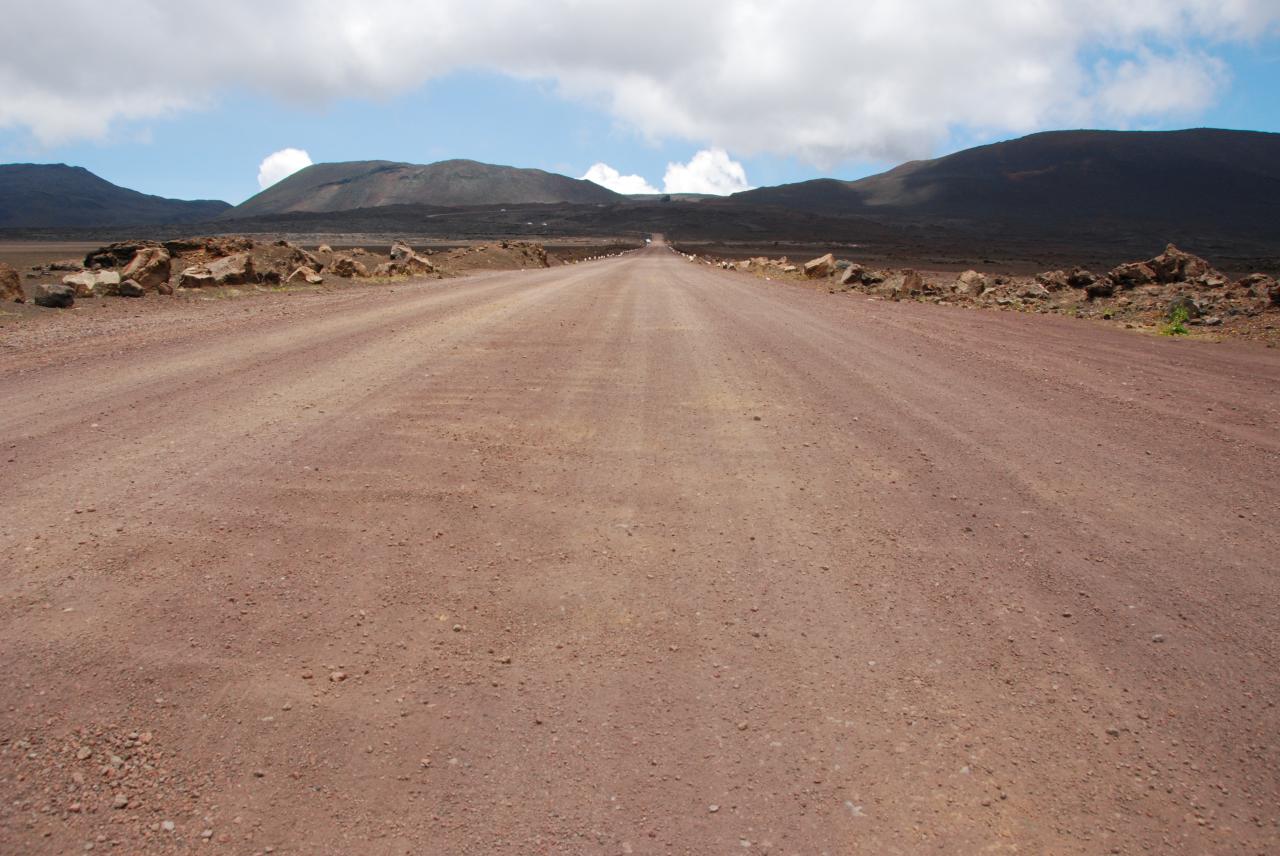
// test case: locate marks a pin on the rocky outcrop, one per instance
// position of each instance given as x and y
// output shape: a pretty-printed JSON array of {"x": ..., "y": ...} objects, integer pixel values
[
  {"x": 132, "y": 288},
  {"x": 93, "y": 283},
  {"x": 10, "y": 285},
  {"x": 150, "y": 269},
  {"x": 215, "y": 246},
  {"x": 116, "y": 255},
  {"x": 54, "y": 295},
  {"x": 1174, "y": 265}
]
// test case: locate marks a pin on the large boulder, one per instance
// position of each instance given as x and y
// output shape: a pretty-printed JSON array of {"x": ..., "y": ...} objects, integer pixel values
[
  {"x": 903, "y": 285},
  {"x": 1100, "y": 287},
  {"x": 1080, "y": 278},
  {"x": 821, "y": 267},
  {"x": 305, "y": 274},
  {"x": 1033, "y": 291},
  {"x": 196, "y": 276},
  {"x": 401, "y": 251},
  {"x": 347, "y": 267},
  {"x": 1132, "y": 275},
  {"x": 230, "y": 270},
  {"x": 10, "y": 285},
  {"x": 1174, "y": 265},
  {"x": 93, "y": 283},
  {"x": 1185, "y": 303},
  {"x": 1055, "y": 280},
  {"x": 853, "y": 276},
  {"x": 150, "y": 269},
  {"x": 235, "y": 269},
  {"x": 54, "y": 295},
  {"x": 970, "y": 283}
]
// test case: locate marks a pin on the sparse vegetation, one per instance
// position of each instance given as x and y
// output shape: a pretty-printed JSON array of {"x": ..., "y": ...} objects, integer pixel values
[{"x": 1177, "y": 324}]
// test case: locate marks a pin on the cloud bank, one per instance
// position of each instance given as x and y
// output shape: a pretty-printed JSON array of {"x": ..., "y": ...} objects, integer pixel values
[
  {"x": 822, "y": 80},
  {"x": 280, "y": 165},
  {"x": 606, "y": 176},
  {"x": 708, "y": 171}
]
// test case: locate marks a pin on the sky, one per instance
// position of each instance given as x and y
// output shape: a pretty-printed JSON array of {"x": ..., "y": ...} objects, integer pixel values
[{"x": 217, "y": 100}]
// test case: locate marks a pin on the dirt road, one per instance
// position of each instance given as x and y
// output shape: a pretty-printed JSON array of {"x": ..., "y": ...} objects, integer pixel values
[{"x": 635, "y": 557}]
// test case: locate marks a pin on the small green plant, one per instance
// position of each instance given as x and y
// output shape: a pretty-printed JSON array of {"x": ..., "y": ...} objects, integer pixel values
[{"x": 1177, "y": 325}]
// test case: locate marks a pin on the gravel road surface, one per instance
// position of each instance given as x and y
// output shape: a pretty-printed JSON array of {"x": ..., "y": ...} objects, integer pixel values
[{"x": 634, "y": 556}]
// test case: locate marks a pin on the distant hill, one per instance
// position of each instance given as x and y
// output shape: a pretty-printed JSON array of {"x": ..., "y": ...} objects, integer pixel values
[
  {"x": 1196, "y": 179},
  {"x": 57, "y": 195},
  {"x": 326, "y": 187}
]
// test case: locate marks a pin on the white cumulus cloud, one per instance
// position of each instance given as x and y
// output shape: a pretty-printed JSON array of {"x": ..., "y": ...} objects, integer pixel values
[
  {"x": 708, "y": 171},
  {"x": 821, "y": 80},
  {"x": 280, "y": 165},
  {"x": 606, "y": 176}
]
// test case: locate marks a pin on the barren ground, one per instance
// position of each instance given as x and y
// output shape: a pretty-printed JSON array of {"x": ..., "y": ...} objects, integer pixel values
[{"x": 633, "y": 557}]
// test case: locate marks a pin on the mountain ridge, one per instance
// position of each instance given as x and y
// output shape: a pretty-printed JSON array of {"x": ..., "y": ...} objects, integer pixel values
[
  {"x": 349, "y": 185},
  {"x": 58, "y": 195},
  {"x": 1231, "y": 178}
]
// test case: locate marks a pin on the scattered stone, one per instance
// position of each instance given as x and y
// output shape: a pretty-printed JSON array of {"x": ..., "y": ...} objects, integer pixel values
[
  {"x": 10, "y": 285},
  {"x": 131, "y": 288},
  {"x": 91, "y": 283},
  {"x": 54, "y": 296},
  {"x": 337, "y": 677},
  {"x": 120, "y": 801}
]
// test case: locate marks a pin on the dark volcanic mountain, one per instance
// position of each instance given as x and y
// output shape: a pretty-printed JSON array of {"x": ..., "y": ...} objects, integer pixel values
[
  {"x": 57, "y": 195},
  {"x": 371, "y": 184},
  {"x": 1197, "y": 179}
]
